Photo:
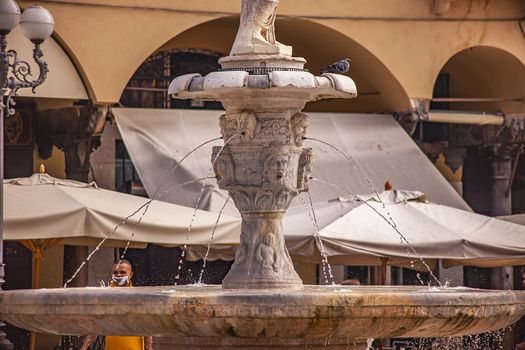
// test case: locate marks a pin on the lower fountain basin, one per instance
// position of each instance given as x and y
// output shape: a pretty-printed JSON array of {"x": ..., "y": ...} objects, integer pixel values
[{"x": 218, "y": 316}]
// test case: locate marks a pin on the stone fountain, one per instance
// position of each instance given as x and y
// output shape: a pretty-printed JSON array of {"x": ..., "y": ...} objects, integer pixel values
[{"x": 262, "y": 302}]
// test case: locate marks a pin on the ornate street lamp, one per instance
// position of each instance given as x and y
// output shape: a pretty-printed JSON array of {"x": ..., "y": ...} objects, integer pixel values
[{"x": 37, "y": 25}]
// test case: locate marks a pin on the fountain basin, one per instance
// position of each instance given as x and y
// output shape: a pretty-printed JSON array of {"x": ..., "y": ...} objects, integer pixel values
[{"x": 213, "y": 314}]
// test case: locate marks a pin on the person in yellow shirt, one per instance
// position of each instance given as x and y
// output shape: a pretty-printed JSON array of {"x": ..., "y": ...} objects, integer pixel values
[{"x": 122, "y": 273}]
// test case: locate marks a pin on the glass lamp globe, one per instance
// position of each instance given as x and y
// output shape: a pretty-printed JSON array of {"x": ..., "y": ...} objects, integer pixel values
[
  {"x": 9, "y": 15},
  {"x": 37, "y": 24}
]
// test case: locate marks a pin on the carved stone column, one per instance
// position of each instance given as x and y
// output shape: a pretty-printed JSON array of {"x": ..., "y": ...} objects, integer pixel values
[
  {"x": 263, "y": 169},
  {"x": 501, "y": 173},
  {"x": 502, "y": 156},
  {"x": 75, "y": 131}
]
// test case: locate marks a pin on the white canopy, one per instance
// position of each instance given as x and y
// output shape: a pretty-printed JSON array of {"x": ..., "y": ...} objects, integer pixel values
[
  {"x": 361, "y": 234},
  {"x": 158, "y": 139},
  {"x": 43, "y": 207},
  {"x": 357, "y": 232},
  {"x": 516, "y": 218}
]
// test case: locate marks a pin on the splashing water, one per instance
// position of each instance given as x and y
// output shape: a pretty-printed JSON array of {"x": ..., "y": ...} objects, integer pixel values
[
  {"x": 185, "y": 247},
  {"x": 99, "y": 245},
  {"x": 146, "y": 206},
  {"x": 211, "y": 241},
  {"x": 355, "y": 165},
  {"x": 405, "y": 240},
  {"x": 324, "y": 257},
  {"x": 177, "y": 164},
  {"x": 392, "y": 223},
  {"x": 352, "y": 161}
]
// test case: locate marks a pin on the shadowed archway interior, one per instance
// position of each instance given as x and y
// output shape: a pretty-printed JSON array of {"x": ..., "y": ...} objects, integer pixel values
[
  {"x": 378, "y": 90},
  {"x": 484, "y": 72}
]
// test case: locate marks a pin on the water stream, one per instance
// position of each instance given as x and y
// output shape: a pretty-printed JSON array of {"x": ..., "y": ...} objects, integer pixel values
[
  {"x": 405, "y": 240},
  {"x": 211, "y": 241},
  {"x": 145, "y": 206},
  {"x": 185, "y": 247},
  {"x": 326, "y": 267},
  {"x": 355, "y": 165},
  {"x": 108, "y": 234}
]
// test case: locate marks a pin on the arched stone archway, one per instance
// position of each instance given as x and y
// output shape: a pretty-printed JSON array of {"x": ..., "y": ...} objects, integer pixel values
[
  {"x": 378, "y": 89},
  {"x": 483, "y": 72}
]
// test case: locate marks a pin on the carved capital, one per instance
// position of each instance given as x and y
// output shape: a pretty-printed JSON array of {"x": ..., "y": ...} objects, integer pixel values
[
  {"x": 455, "y": 158},
  {"x": 513, "y": 130},
  {"x": 433, "y": 150},
  {"x": 262, "y": 180},
  {"x": 501, "y": 151},
  {"x": 74, "y": 130}
]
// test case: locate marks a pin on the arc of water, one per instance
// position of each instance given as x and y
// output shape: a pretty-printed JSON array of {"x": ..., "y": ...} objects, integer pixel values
[
  {"x": 211, "y": 240},
  {"x": 356, "y": 166},
  {"x": 146, "y": 206},
  {"x": 324, "y": 257},
  {"x": 183, "y": 254},
  {"x": 412, "y": 249},
  {"x": 103, "y": 240}
]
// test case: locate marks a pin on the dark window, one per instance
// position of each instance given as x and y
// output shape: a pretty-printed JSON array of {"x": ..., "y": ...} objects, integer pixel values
[
  {"x": 148, "y": 88},
  {"x": 127, "y": 179}
]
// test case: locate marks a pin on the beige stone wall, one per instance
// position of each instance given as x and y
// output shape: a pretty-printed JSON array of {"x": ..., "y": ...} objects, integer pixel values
[{"x": 399, "y": 46}]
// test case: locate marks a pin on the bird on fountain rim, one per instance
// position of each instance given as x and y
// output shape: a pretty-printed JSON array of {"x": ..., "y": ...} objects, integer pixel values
[{"x": 339, "y": 67}]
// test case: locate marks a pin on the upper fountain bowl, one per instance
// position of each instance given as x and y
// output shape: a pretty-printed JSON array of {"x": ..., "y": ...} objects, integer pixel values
[{"x": 271, "y": 78}]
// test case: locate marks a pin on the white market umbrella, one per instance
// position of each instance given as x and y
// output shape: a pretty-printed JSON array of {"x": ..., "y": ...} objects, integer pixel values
[
  {"x": 516, "y": 218},
  {"x": 42, "y": 210},
  {"x": 360, "y": 236}
]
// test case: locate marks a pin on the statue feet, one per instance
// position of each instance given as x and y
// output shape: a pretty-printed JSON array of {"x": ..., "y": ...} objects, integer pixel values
[{"x": 257, "y": 45}]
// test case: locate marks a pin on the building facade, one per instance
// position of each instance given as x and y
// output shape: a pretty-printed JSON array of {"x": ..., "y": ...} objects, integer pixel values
[{"x": 451, "y": 71}]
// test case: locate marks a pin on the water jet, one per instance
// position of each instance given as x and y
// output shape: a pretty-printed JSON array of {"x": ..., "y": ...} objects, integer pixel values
[{"x": 262, "y": 302}]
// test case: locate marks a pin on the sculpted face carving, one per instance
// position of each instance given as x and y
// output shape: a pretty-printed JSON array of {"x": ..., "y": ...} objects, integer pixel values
[
  {"x": 276, "y": 168},
  {"x": 256, "y": 33},
  {"x": 305, "y": 169},
  {"x": 300, "y": 122},
  {"x": 224, "y": 170},
  {"x": 228, "y": 126},
  {"x": 247, "y": 125}
]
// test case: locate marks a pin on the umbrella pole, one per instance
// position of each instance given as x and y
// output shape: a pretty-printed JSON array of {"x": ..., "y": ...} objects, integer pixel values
[
  {"x": 37, "y": 251},
  {"x": 37, "y": 263}
]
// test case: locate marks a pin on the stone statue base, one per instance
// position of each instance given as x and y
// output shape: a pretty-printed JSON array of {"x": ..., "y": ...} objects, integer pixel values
[
  {"x": 262, "y": 48},
  {"x": 261, "y": 60}
]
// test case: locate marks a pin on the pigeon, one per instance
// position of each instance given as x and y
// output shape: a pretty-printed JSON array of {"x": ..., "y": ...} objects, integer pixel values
[{"x": 339, "y": 67}]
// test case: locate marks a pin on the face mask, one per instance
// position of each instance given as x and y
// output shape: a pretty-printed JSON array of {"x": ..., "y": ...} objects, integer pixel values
[{"x": 120, "y": 281}]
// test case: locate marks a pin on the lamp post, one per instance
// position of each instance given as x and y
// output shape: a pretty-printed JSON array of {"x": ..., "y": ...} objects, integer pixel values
[{"x": 37, "y": 25}]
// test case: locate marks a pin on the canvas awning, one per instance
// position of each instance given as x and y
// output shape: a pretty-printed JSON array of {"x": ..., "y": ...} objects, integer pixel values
[
  {"x": 517, "y": 218},
  {"x": 360, "y": 232},
  {"x": 357, "y": 231},
  {"x": 156, "y": 139},
  {"x": 45, "y": 208}
]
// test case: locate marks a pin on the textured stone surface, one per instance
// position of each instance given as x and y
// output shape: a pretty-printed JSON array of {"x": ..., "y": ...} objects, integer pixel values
[
  {"x": 342, "y": 314},
  {"x": 263, "y": 167},
  {"x": 256, "y": 33}
]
